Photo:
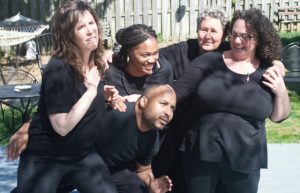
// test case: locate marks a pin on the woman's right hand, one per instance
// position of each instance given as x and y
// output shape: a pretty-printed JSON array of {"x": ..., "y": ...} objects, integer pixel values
[
  {"x": 107, "y": 58},
  {"x": 92, "y": 79}
]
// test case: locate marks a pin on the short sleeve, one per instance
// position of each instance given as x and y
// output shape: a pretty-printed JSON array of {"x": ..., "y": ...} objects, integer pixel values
[{"x": 59, "y": 89}]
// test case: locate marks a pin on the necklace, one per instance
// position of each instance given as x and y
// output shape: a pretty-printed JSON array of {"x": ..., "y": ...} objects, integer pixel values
[{"x": 248, "y": 77}]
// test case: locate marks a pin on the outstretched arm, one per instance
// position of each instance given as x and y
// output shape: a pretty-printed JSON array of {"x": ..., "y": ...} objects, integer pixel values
[
  {"x": 155, "y": 185},
  {"x": 18, "y": 142}
]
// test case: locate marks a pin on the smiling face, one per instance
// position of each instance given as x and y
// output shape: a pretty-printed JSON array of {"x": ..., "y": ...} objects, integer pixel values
[
  {"x": 243, "y": 43},
  {"x": 158, "y": 108},
  {"x": 142, "y": 58},
  {"x": 210, "y": 34},
  {"x": 86, "y": 33}
]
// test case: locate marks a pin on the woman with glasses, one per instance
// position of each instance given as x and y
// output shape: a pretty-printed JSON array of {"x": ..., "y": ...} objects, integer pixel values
[{"x": 233, "y": 95}]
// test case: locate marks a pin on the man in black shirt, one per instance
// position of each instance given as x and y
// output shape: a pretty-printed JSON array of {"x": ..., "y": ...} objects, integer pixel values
[{"x": 129, "y": 140}]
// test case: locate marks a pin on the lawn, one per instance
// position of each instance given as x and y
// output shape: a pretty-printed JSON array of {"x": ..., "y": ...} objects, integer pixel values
[
  {"x": 287, "y": 38},
  {"x": 287, "y": 131}
]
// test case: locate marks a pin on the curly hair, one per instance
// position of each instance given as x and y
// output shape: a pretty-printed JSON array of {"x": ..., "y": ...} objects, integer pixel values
[
  {"x": 130, "y": 37},
  {"x": 269, "y": 44},
  {"x": 215, "y": 13},
  {"x": 63, "y": 32}
]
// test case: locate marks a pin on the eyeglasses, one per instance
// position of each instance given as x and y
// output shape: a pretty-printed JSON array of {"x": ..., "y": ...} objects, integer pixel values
[{"x": 242, "y": 36}]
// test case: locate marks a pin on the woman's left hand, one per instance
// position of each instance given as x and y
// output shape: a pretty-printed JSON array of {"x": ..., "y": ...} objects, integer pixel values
[
  {"x": 274, "y": 80},
  {"x": 111, "y": 95}
]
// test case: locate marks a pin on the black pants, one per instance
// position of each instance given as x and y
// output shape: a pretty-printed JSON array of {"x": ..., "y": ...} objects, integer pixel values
[
  {"x": 89, "y": 175},
  {"x": 202, "y": 177},
  {"x": 125, "y": 180}
]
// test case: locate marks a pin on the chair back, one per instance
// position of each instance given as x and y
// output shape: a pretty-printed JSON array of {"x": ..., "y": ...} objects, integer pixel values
[{"x": 290, "y": 57}]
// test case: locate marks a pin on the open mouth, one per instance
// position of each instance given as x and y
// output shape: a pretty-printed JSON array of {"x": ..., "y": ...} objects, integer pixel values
[{"x": 149, "y": 66}]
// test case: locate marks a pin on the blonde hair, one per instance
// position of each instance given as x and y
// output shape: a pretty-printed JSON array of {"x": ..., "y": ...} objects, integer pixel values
[{"x": 215, "y": 13}]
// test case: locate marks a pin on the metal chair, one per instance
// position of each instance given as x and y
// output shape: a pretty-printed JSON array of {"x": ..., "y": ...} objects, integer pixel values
[{"x": 9, "y": 107}]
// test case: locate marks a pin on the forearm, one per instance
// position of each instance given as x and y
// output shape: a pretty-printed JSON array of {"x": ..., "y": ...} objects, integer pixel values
[
  {"x": 146, "y": 175},
  {"x": 63, "y": 123},
  {"x": 281, "y": 107},
  {"x": 24, "y": 128}
]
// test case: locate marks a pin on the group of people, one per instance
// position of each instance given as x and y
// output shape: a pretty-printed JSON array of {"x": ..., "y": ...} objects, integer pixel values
[{"x": 102, "y": 128}]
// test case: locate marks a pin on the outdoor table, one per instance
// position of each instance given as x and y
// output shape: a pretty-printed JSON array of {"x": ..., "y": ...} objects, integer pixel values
[{"x": 8, "y": 93}]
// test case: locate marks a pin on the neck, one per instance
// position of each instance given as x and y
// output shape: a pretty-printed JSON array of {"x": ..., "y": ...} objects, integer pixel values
[
  {"x": 201, "y": 51},
  {"x": 138, "y": 116},
  {"x": 240, "y": 65},
  {"x": 87, "y": 59},
  {"x": 133, "y": 72}
]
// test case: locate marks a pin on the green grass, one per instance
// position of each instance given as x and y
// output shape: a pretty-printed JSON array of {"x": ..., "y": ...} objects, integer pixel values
[
  {"x": 6, "y": 128},
  {"x": 289, "y": 37},
  {"x": 287, "y": 131}
]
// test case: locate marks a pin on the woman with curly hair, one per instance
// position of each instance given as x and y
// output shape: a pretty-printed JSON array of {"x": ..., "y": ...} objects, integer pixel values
[
  {"x": 233, "y": 95},
  {"x": 63, "y": 132}
]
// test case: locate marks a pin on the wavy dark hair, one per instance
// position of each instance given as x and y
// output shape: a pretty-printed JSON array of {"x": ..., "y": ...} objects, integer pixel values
[
  {"x": 130, "y": 37},
  {"x": 269, "y": 44},
  {"x": 63, "y": 32}
]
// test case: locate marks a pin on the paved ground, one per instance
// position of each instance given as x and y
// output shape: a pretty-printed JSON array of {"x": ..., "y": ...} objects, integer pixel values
[{"x": 283, "y": 175}]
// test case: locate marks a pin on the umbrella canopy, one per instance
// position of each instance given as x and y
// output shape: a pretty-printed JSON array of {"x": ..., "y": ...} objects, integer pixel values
[{"x": 19, "y": 29}]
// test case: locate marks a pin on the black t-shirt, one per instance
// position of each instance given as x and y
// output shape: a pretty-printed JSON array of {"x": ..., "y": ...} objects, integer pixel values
[
  {"x": 180, "y": 55},
  {"x": 60, "y": 90},
  {"x": 228, "y": 113},
  {"x": 121, "y": 142},
  {"x": 127, "y": 84}
]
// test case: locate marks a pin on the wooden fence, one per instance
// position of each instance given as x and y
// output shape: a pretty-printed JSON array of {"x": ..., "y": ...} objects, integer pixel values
[{"x": 172, "y": 19}]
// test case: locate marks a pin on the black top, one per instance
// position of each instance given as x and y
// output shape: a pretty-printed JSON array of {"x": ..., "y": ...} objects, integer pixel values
[
  {"x": 127, "y": 84},
  {"x": 181, "y": 54},
  {"x": 228, "y": 113},
  {"x": 122, "y": 143},
  {"x": 60, "y": 90}
]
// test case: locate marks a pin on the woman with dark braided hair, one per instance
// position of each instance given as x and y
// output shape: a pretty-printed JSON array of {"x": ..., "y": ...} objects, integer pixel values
[
  {"x": 138, "y": 64},
  {"x": 63, "y": 132}
]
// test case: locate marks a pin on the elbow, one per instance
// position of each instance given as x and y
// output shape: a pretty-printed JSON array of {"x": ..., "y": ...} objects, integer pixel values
[
  {"x": 279, "y": 119},
  {"x": 59, "y": 124},
  {"x": 60, "y": 130}
]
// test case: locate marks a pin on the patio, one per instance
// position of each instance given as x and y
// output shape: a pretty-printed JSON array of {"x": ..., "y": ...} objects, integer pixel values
[{"x": 282, "y": 176}]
